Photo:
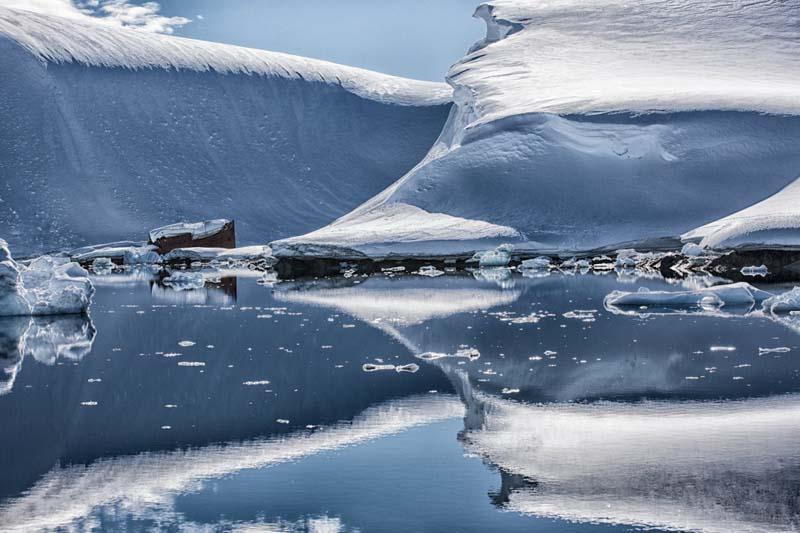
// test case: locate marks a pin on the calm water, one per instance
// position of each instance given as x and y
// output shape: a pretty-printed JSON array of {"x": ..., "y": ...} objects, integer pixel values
[{"x": 245, "y": 406}]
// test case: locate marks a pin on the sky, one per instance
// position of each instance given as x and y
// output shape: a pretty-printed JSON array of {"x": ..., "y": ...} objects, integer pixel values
[{"x": 413, "y": 38}]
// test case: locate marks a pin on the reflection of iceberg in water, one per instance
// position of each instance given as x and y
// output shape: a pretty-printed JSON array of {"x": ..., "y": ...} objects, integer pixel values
[
  {"x": 699, "y": 466},
  {"x": 45, "y": 339},
  {"x": 393, "y": 304},
  {"x": 140, "y": 483}
]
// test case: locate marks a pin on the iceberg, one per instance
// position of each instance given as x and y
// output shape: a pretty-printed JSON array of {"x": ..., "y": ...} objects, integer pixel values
[
  {"x": 733, "y": 294},
  {"x": 594, "y": 127},
  {"x": 772, "y": 222},
  {"x": 47, "y": 286},
  {"x": 137, "y": 130}
]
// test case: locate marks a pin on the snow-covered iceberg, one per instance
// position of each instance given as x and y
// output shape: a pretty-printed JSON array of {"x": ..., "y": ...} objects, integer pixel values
[
  {"x": 773, "y": 222},
  {"x": 108, "y": 132},
  {"x": 583, "y": 126},
  {"x": 46, "y": 286},
  {"x": 732, "y": 294}
]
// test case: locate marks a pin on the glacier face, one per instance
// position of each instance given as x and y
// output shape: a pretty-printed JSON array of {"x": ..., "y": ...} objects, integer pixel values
[
  {"x": 109, "y": 132},
  {"x": 590, "y": 125}
]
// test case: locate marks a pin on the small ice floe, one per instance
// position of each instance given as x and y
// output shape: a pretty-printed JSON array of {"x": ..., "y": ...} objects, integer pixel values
[
  {"x": 102, "y": 266},
  {"x": 755, "y": 271},
  {"x": 370, "y": 367},
  {"x": 691, "y": 249},
  {"x": 499, "y": 257},
  {"x": 411, "y": 368},
  {"x": 186, "y": 344},
  {"x": 281, "y": 421},
  {"x": 256, "y": 383},
  {"x": 191, "y": 363},
  {"x": 584, "y": 315},
  {"x": 463, "y": 353},
  {"x": 575, "y": 264},
  {"x": 429, "y": 271},
  {"x": 722, "y": 348},
  {"x": 166, "y": 428},
  {"x": 145, "y": 255},
  {"x": 788, "y": 302},
  {"x": 778, "y": 349},
  {"x": 733, "y": 294},
  {"x": 537, "y": 263},
  {"x": 47, "y": 286},
  {"x": 394, "y": 270},
  {"x": 89, "y": 404},
  {"x": 510, "y": 391},
  {"x": 185, "y": 281}
]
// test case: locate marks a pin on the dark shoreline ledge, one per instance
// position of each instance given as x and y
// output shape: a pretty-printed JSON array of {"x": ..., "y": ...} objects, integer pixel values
[{"x": 783, "y": 265}]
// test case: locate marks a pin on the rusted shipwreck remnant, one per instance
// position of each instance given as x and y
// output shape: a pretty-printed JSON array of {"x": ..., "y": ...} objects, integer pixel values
[{"x": 218, "y": 233}]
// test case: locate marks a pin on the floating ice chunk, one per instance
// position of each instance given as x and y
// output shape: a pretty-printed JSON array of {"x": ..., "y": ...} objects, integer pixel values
[
  {"x": 102, "y": 266},
  {"x": 755, "y": 271},
  {"x": 787, "y": 302},
  {"x": 429, "y": 271},
  {"x": 369, "y": 367},
  {"x": 191, "y": 363},
  {"x": 510, "y": 391},
  {"x": 256, "y": 382},
  {"x": 499, "y": 257},
  {"x": 185, "y": 281},
  {"x": 463, "y": 353},
  {"x": 411, "y": 367},
  {"x": 141, "y": 256},
  {"x": 722, "y": 349},
  {"x": 779, "y": 349},
  {"x": 691, "y": 249},
  {"x": 538, "y": 263},
  {"x": 186, "y": 344},
  {"x": 731, "y": 294}
]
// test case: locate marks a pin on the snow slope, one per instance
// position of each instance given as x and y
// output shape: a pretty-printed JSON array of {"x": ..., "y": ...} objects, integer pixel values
[
  {"x": 589, "y": 125},
  {"x": 771, "y": 222},
  {"x": 109, "y": 132}
]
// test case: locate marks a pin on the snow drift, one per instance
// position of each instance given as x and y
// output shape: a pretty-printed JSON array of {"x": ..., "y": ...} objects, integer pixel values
[
  {"x": 582, "y": 126},
  {"x": 108, "y": 132}
]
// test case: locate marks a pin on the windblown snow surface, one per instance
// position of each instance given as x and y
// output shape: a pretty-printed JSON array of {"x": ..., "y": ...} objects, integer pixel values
[
  {"x": 109, "y": 132},
  {"x": 584, "y": 125}
]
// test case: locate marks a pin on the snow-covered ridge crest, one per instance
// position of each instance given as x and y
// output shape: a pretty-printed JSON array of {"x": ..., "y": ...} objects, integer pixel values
[
  {"x": 65, "y": 40},
  {"x": 607, "y": 56}
]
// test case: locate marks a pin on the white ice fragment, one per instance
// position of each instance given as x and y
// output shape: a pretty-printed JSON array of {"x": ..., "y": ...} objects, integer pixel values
[
  {"x": 47, "y": 286},
  {"x": 538, "y": 263},
  {"x": 369, "y": 367},
  {"x": 186, "y": 344},
  {"x": 429, "y": 271},
  {"x": 788, "y": 302},
  {"x": 691, "y": 249},
  {"x": 499, "y": 257},
  {"x": 140, "y": 256},
  {"x": 718, "y": 295},
  {"x": 411, "y": 367},
  {"x": 191, "y": 363},
  {"x": 723, "y": 348},
  {"x": 256, "y": 382},
  {"x": 510, "y": 391},
  {"x": 462, "y": 353},
  {"x": 755, "y": 271},
  {"x": 778, "y": 349}
]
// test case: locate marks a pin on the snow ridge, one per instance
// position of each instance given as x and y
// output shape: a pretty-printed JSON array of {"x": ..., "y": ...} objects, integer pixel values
[
  {"x": 608, "y": 56},
  {"x": 584, "y": 126},
  {"x": 60, "y": 40}
]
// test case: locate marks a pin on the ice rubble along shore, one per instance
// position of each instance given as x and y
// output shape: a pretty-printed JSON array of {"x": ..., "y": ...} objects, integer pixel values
[
  {"x": 47, "y": 286},
  {"x": 138, "y": 130},
  {"x": 581, "y": 127}
]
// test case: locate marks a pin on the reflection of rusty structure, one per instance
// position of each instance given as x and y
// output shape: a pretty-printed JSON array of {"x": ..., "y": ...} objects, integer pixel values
[{"x": 224, "y": 238}]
